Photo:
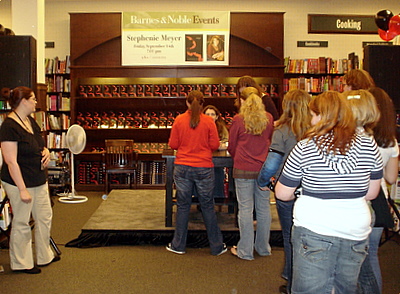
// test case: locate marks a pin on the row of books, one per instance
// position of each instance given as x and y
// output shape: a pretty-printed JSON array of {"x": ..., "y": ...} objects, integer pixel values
[
  {"x": 58, "y": 102},
  {"x": 144, "y": 119},
  {"x": 57, "y": 65},
  {"x": 58, "y": 122},
  {"x": 47, "y": 122},
  {"x": 164, "y": 90},
  {"x": 149, "y": 173},
  {"x": 58, "y": 84},
  {"x": 56, "y": 140},
  {"x": 90, "y": 173},
  {"x": 314, "y": 84},
  {"x": 321, "y": 65}
]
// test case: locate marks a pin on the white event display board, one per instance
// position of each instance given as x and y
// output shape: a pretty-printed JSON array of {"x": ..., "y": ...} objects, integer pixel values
[{"x": 175, "y": 38}]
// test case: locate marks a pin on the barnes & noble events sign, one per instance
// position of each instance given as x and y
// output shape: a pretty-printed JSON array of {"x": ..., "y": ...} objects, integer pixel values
[
  {"x": 341, "y": 24},
  {"x": 175, "y": 38}
]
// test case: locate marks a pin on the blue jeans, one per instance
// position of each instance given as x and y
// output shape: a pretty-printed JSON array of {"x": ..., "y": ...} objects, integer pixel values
[
  {"x": 370, "y": 279},
  {"x": 186, "y": 178},
  {"x": 249, "y": 196},
  {"x": 285, "y": 213},
  {"x": 321, "y": 263}
]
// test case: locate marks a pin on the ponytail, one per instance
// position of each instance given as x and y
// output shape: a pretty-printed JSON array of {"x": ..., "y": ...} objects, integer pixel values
[
  {"x": 196, "y": 100},
  {"x": 15, "y": 96}
]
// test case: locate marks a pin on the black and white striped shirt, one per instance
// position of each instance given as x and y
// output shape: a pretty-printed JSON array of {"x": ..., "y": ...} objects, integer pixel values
[{"x": 328, "y": 176}]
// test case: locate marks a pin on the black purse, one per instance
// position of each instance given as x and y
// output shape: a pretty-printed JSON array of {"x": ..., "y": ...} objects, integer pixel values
[{"x": 383, "y": 217}]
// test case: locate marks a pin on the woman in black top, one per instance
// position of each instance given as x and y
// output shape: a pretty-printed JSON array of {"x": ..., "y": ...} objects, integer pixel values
[{"x": 25, "y": 182}]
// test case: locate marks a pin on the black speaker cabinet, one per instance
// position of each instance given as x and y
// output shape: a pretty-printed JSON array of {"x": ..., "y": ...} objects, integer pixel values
[
  {"x": 18, "y": 61},
  {"x": 383, "y": 63}
]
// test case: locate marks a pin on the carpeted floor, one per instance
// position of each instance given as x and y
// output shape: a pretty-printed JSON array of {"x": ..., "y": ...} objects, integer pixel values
[{"x": 150, "y": 269}]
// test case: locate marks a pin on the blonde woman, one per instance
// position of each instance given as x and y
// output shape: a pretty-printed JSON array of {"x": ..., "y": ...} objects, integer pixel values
[
  {"x": 289, "y": 129},
  {"x": 375, "y": 116},
  {"x": 249, "y": 140}
]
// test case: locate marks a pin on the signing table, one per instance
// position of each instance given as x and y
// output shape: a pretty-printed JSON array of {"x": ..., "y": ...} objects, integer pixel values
[{"x": 220, "y": 158}]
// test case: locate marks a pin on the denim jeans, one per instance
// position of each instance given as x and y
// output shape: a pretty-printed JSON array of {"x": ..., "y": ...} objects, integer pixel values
[
  {"x": 321, "y": 263},
  {"x": 186, "y": 178},
  {"x": 370, "y": 279},
  {"x": 285, "y": 213},
  {"x": 249, "y": 196}
]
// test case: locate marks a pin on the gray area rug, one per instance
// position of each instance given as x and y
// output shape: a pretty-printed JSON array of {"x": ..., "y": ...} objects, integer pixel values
[
  {"x": 136, "y": 217},
  {"x": 145, "y": 210}
]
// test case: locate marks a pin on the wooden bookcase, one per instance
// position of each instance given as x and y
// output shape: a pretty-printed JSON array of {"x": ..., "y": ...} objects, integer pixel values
[{"x": 256, "y": 49}]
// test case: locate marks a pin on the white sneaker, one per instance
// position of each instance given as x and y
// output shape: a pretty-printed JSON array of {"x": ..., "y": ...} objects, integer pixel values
[{"x": 169, "y": 248}]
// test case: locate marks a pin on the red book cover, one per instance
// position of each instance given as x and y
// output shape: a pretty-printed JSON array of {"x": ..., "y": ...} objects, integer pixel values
[
  {"x": 157, "y": 91},
  {"x": 140, "y": 90},
  {"x": 122, "y": 91},
  {"x": 115, "y": 90},
  {"x": 98, "y": 91},
  {"x": 107, "y": 91},
  {"x": 174, "y": 90},
  {"x": 131, "y": 89}
]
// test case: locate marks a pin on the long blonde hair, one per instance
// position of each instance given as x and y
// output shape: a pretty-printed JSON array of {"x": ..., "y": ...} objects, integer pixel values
[
  {"x": 253, "y": 111},
  {"x": 364, "y": 107},
  {"x": 296, "y": 113}
]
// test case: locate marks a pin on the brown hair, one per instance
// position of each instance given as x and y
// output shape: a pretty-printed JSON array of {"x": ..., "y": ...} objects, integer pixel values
[
  {"x": 296, "y": 113},
  {"x": 336, "y": 129},
  {"x": 220, "y": 123},
  {"x": 196, "y": 101},
  {"x": 15, "y": 96},
  {"x": 244, "y": 82},
  {"x": 385, "y": 129},
  {"x": 359, "y": 79}
]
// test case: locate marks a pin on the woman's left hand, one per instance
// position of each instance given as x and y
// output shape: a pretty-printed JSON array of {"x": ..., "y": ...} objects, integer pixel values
[{"x": 45, "y": 157}]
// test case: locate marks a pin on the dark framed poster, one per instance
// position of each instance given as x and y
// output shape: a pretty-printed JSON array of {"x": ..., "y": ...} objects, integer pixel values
[{"x": 341, "y": 24}]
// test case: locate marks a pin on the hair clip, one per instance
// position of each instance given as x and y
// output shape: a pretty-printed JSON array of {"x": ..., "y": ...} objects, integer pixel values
[{"x": 353, "y": 97}]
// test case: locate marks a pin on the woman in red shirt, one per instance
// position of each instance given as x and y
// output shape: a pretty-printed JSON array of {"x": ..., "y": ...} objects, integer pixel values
[{"x": 195, "y": 136}]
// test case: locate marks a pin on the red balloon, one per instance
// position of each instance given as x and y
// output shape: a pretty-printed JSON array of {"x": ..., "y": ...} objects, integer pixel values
[
  {"x": 394, "y": 25},
  {"x": 386, "y": 35}
]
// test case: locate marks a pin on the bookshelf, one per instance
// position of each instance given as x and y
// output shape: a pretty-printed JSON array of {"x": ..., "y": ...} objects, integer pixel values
[
  {"x": 140, "y": 102},
  {"x": 316, "y": 75},
  {"x": 58, "y": 120}
]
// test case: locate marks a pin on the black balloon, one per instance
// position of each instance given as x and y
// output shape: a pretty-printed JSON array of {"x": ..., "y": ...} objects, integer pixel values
[{"x": 382, "y": 19}]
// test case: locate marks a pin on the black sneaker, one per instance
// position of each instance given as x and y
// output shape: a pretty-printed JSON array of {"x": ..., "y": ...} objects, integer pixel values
[
  {"x": 33, "y": 271},
  {"x": 55, "y": 259},
  {"x": 169, "y": 248},
  {"x": 224, "y": 249}
]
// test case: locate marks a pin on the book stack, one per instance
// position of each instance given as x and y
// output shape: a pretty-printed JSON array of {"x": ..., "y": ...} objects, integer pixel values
[
  {"x": 90, "y": 173},
  {"x": 144, "y": 173},
  {"x": 158, "y": 173}
]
